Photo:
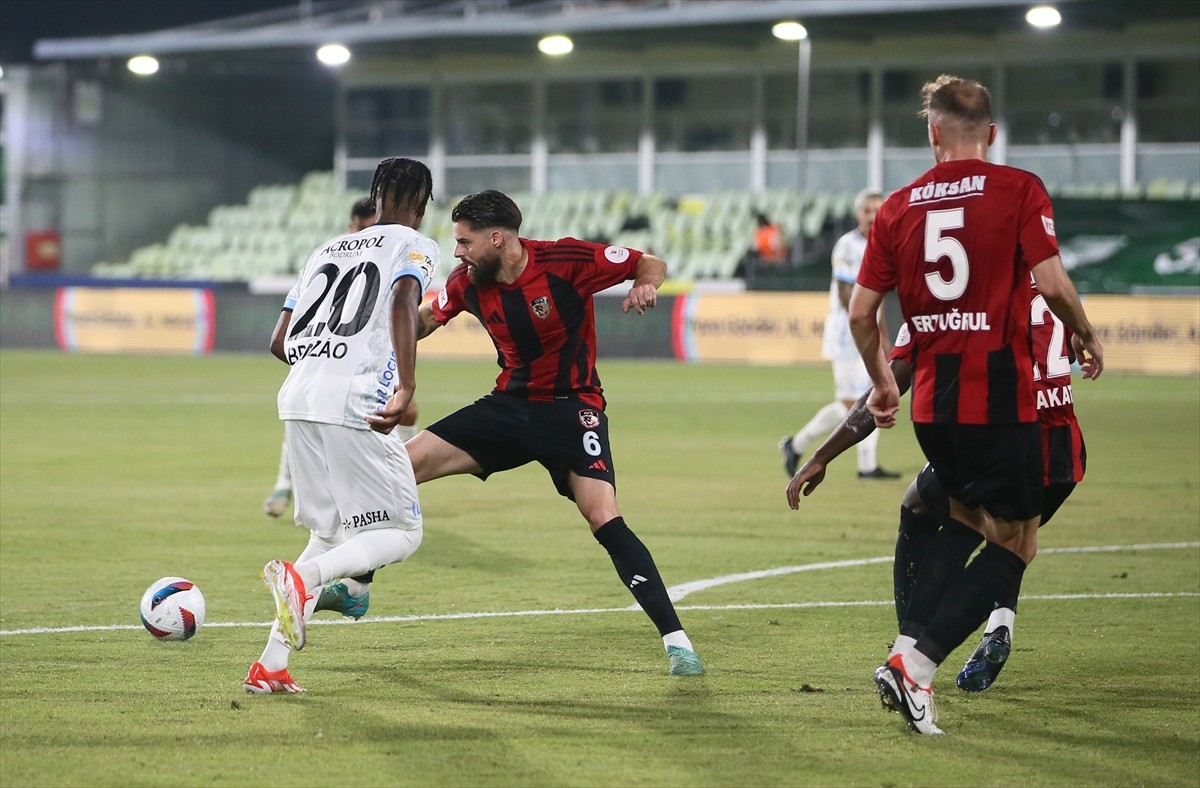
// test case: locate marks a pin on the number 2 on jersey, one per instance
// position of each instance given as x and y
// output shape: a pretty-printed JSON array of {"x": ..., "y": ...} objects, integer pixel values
[
  {"x": 366, "y": 303},
  {"x": 1057, "y": 364}
]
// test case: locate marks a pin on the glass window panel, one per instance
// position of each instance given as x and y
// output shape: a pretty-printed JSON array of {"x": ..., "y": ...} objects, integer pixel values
[
  {"x": 1064, "y": 103},
  {"x": 595, "y": 117},
  {"x": 703, "y": 113},
  {"x": 1168, "y": 100},
  {"x": 387, "y": 122},
  {"x": 489, "y": 119},
  {"x": 839, "y": 110}
]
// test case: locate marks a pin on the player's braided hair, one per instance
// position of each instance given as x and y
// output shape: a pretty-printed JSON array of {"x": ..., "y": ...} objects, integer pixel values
[
  {"x": 488, "y": 208},
  {"x": 963, "y": 99},
  {"x": 401, "y": 182}
]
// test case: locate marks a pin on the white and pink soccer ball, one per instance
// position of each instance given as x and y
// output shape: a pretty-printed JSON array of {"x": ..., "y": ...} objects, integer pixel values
[{"x": 172, "y": 609}]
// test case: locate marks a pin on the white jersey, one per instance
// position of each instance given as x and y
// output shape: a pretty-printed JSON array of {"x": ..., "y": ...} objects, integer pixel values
[
  {"x": 838, "y": 343},
  {"x": 339, "y": 342}
]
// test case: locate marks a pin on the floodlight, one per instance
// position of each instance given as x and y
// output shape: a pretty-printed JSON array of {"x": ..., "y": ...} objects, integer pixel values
[
  {"x": 790, "y": 31},
  {"x": 555, "y": 45},
  {"x": 333, "y": 55},
  {"x": 142, "y": 65},
  {"x": 1043, "y": 16}
]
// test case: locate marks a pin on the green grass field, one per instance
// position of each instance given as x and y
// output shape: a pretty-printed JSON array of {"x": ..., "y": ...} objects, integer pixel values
[{"x": 115, "y": 471}]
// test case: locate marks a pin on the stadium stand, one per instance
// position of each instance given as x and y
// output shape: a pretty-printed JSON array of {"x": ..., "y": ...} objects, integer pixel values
[{"x": 702, "y": 236}]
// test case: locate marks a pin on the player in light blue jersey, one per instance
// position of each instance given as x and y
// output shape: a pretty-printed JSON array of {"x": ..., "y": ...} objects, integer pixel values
[{"x": 348, "y": 330}]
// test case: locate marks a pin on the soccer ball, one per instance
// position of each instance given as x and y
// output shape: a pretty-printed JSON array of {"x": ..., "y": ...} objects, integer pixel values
[{"x": 172, "y": 609}]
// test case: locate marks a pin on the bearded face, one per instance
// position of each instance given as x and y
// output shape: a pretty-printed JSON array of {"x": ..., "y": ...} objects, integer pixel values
[{"x": 476, "y": 249}]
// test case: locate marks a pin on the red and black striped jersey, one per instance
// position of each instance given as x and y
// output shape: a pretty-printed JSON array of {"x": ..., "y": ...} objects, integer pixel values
[
  {"x": 544, "y": 325},
  {"x": 957, "y": 245},
  {"x": 1063, "y": 451}
]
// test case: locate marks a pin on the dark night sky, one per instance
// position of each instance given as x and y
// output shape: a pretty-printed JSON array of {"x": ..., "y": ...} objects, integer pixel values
[{"x": 22, "y": 22}]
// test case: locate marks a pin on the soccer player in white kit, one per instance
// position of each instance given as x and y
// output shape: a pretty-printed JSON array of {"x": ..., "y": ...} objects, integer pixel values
[
  {"x": 850, "y": 377},
  {"x": 348, "y": 332}
]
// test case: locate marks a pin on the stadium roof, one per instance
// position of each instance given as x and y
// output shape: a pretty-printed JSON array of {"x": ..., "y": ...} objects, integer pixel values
[{"x": 443, "y": 25}]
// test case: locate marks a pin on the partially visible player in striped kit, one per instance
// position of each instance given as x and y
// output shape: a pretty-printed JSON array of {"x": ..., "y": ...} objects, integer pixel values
[
  {"x": 926, "y": 505},
  {"x": 534, "y": 298},
  {"x": 958, "y": 245}
]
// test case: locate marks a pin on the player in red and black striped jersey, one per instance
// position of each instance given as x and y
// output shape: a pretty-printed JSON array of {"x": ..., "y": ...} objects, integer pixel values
[
  {"x": 958, "y": 244},
  {"x": 926, "y": 504},
  {"x": 534, "y": 298}
]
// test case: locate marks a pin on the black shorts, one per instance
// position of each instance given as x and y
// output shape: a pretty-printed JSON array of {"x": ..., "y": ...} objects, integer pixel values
[
  {"x": 996, "y": 466},
  {"x": 933, "y": 495},
  {"x": 502, "y": 432}
]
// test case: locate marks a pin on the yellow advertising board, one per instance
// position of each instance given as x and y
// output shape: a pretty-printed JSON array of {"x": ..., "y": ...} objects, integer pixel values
[
  {"x": 750, "y": 328},
  {"x": 134, "y": 319},
  {"x": 1151, "y": 334}
]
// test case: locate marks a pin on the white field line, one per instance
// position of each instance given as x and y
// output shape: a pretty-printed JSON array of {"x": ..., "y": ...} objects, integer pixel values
[
  {"x": 684, "y": 589},
  {"x": 690, "y": 587}
]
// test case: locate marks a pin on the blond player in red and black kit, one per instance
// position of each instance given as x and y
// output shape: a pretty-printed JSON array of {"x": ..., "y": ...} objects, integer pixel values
[
  {"x": 958, "y": 245},
  {"x": 926, "y": 505},
  {"x": 534, "y": 298}
]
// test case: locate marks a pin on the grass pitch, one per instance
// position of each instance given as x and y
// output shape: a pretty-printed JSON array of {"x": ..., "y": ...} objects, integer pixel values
[{"x": 115, "y": 471}]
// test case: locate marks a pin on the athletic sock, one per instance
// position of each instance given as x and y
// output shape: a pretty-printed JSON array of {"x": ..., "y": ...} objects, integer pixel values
[
  {"x": 283, "y": 481},
  {"x": 903, "y": 644},
  {"x": 361, "y": 553},
  {"x": 919, "y": 667},
  {"x": 677, "y": 638},
  {"x": 991, "y": 576},
  {"x": 275, "y": 655},
  {"x": 635, "y": 566},
  {"x": 912, "y": 540},
  {"x": 868, "y": 459},
  {"x": 1001, "y": 617},
  {"x": 944, "y": 560},
  {"x": 355, "y": 587},
  {"x": 820, "y": 425}
]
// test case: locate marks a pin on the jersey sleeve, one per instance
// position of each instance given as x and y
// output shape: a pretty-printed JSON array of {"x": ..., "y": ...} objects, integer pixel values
[
  {"x": 293, "y": 295},
  {"x": 419, "y": 259},
  {"x": 451, "y": 300},
  {"x": 1036, "y": 236},
  {"x": 878, "y": 271},
  {"x": 902, "y": 350},
  {"x": 845, "y": 269},
  {"x": 603, "y": 266}
]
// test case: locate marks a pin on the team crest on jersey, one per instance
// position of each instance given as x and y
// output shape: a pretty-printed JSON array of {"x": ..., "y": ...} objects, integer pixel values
[
  {"x": 590, "y": 419},
  {"x": 1048, "y": 224},
  {"x": 541, "y": 306}
]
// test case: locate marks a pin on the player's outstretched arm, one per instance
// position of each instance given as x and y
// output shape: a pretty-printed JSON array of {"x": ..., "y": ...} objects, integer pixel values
[
  {"x": 651, "y": 272},
  {"x": 884, "y": 400},
  {"x": 858, "y": 424}
]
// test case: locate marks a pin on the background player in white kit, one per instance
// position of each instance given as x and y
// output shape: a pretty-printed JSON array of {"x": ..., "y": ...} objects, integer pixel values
[
  {"x": 348, "y": 331},
  {"x": 850, "y": 378}
]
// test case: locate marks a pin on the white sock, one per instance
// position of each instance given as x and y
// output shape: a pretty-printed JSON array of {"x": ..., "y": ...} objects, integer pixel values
[
  {"x": 360, "y": 554},
  {"x": 354, "y": 587},
  {"x": 919, "y": 667},
  {"x": 1001, "y": 617},
  {"x": 677, "y": 638},
  {"x": 867, "y": 460},
  {"x": 819, "y": 426},
  {"x": 275, "y": 655},
  {"x": 903, "y": 643},
  {"x": 283, "y": 481}
]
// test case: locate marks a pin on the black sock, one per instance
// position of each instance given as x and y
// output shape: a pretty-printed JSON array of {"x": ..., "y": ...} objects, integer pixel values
[
  {"x": 367, "y": 578},
  {"x": 993, "y": 575},
  {"x": 944, "y": 560},
  {"x": 916, "y": 531},
  {"x": 637, "y": 571}
]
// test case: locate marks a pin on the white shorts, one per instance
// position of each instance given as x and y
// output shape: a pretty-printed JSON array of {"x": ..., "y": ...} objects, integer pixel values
[
  {"x": 346, "y": 481},
  {"x": 850, "y": 379}
]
